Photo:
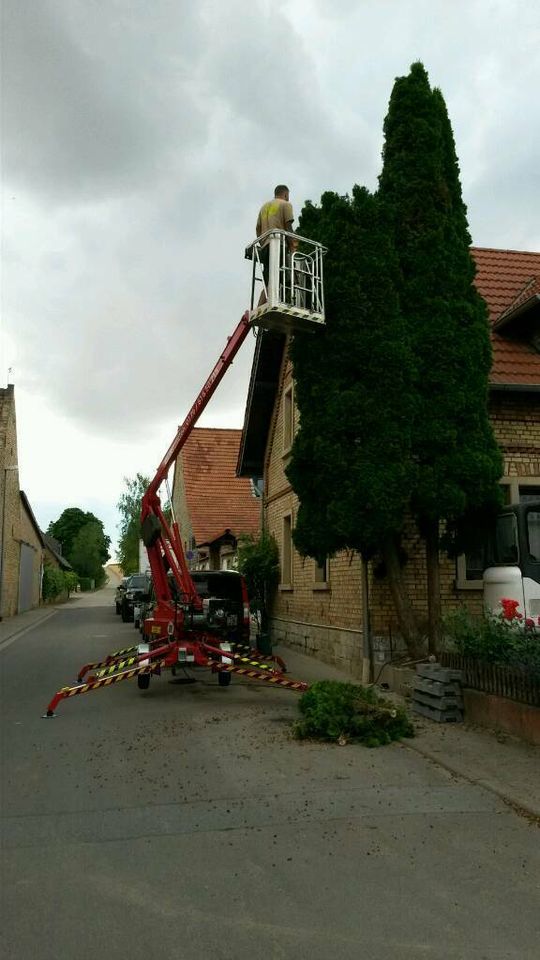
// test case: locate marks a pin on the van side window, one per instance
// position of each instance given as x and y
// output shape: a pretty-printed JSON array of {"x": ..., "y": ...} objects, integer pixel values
[
  {"x": 506, "y": 540},
  {"x": 533, "y": 534}
]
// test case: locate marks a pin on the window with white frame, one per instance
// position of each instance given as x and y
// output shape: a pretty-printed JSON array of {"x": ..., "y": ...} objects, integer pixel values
[
  {"x": 288, "y": 419},
  {"x": 287, "y": 552}
]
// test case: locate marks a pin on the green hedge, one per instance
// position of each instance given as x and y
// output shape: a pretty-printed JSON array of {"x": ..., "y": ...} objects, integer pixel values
[{"x": 54, "y": 582}]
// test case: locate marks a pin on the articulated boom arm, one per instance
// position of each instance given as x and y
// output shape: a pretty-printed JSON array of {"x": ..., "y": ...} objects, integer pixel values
[{"x": 162, "y": 540}]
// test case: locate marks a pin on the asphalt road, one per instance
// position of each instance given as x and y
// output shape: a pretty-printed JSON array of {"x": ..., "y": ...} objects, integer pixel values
[{"x": 184, "y": 823}]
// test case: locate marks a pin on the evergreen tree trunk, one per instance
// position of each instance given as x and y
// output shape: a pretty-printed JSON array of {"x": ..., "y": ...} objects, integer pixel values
[
  {"x": 433, "y": 585},
  {"x": 404, "y": 612}
]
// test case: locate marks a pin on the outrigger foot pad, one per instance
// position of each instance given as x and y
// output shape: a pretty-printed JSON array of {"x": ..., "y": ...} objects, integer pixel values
[{"x": 49, "y": 715}]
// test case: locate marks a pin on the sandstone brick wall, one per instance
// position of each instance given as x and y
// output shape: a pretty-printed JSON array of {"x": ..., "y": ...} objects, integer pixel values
[
  {"x": 28, "y": 535},
  {"x": 10, "y": 506},
  {"x": 516, "y": 422},
  {"x": 322, "y": 618},
  {"x": 327, "y": 620}
]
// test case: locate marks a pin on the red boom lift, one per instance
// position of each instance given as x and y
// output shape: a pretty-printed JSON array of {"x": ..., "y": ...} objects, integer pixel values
[{"x": 293, "y": 300}]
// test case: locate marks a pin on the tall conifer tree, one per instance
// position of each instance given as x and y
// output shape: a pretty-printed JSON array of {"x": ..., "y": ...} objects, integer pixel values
[
  {"x": 453, "y": 445},
  {"x": 350, "y": 463}
]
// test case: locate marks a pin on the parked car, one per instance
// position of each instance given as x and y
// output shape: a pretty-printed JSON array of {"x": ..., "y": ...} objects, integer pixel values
[
  {"x": 225, "y": 612},
  {"x": 137, "y": 589},
  {"x": 143, "y": 609},
  {"x": 119, "y": 593},
  {"x": 225, "y": 604}
]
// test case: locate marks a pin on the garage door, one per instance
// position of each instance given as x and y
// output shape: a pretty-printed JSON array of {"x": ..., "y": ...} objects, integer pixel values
[{"x": 26, "y": 577}]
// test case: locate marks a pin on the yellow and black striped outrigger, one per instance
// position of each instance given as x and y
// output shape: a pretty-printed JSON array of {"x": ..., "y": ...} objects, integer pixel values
[{"x": 165, "y": 654}]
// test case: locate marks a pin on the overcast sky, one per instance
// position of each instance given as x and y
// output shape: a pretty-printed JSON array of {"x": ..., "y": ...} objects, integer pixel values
[{"x": 139, "y": 141}]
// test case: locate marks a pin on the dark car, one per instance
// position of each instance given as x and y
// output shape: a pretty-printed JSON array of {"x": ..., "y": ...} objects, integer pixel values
[
  {"x": 137, "y": 590},
  {"x": 225, "y": 612},
  {"x": 120, "y": 591},
  {"x": 225, "y": 604}
]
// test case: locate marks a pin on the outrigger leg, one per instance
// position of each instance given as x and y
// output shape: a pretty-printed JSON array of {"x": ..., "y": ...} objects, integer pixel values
[{"x": 67, "y": 692}]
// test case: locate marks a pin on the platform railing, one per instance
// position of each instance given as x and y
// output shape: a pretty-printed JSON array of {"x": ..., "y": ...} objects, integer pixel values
[{"x": 286, "y": 281}]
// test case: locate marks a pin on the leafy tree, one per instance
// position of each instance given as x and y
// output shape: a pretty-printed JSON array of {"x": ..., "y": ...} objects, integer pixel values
[
  {"x": 258, "y": 562},
  {"x": 87, "y": 552},
  {"x": 457, "y": 459},
  {"x": 129, "y": 507},
  {"x": 351, "y": 463},
  {"x": 68, "y": 525}
]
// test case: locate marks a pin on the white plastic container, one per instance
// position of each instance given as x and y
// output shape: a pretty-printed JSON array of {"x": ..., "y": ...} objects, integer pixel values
[{"x": 503, "y": 582}]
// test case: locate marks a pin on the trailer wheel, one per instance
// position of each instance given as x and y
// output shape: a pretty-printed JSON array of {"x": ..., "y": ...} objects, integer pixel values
[
  {"x": 224, "y": 678},
  {"x": 143, "y": 681}
]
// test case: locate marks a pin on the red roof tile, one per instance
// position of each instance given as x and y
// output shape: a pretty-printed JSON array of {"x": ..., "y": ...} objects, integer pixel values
[
  {"x": 506, "y": 278},
  {"x": 216, "y": 498}
]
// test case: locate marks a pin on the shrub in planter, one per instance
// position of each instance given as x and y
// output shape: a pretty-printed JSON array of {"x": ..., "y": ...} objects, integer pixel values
[{"x": 346, "y": 712}]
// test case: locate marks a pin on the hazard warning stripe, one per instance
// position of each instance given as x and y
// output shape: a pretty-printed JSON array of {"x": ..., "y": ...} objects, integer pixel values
[
  {"x": 252, "y": 663},
  {"x": 67, "y": 692},
  {"x": 276, "y": 679},
  {"x": 115, "y": 667},
  {"x": 107, "y": 681},
  {"x": 269, "y": 658},
  {"x": 119, "y": 653},
  {"x": 111, "y": 661}
]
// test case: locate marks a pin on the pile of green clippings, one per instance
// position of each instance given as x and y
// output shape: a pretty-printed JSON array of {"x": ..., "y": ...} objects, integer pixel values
[{"x": 349, "y": 713}]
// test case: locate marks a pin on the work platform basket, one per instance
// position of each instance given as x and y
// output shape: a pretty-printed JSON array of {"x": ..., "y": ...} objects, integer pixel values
[{"x": 286, "y": 282}]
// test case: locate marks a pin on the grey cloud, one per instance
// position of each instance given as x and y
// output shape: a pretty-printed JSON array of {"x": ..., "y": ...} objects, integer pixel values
[
  {"x": 92, "y": 104},
  {"x": 126, "y": 268}
]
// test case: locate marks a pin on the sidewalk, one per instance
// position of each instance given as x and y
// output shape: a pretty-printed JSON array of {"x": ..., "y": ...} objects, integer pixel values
[
  {"x": 499, "y": 763},
  {"x": 12, "y": 627}
]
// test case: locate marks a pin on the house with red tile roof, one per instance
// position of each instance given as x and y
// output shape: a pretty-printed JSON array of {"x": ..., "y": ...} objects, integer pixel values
[
  {"x": 319, "y": 608},
  {"x": 213, "y": 506},
  {"x": 21, "y": 541}
]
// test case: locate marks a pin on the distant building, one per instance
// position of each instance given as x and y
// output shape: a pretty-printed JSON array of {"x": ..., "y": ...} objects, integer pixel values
[
  {"x": 21, "y": 540},
  {"x": 213, "y": 506},
  {"x": 53, "y": 556}
]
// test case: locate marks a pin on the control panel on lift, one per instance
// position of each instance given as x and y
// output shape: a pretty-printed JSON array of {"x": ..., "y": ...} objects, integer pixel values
[{"x": 286, "y": 282}]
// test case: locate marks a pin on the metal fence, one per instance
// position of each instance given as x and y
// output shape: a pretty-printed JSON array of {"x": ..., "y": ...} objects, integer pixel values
[{"x": 511, "y": 682}]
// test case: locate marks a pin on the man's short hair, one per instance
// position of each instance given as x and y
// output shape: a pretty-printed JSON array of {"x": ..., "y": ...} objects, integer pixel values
[{"x": 281, "y": 190}]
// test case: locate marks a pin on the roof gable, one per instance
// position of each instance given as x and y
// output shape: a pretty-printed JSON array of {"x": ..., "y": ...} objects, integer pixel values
[
  {"x": 509, "y": 281},
  {"x": 55, "y": 548},
  {"x": 30, "y": 514},
  {"x": 216, "y": 498}
]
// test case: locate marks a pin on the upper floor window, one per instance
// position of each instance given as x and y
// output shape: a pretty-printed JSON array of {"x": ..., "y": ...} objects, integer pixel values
[
  {"x": 321, "y": 571},
  {"x": 287, "y": 552}
]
